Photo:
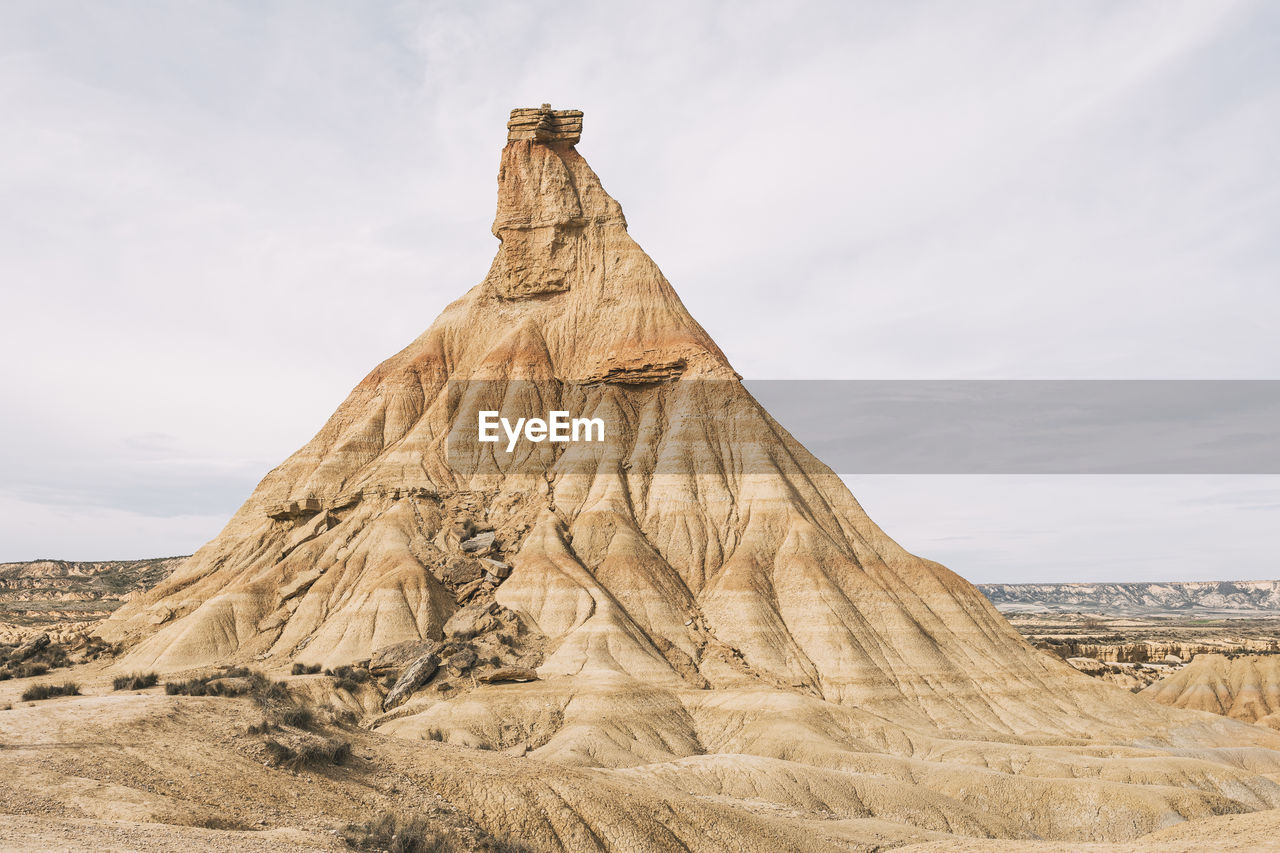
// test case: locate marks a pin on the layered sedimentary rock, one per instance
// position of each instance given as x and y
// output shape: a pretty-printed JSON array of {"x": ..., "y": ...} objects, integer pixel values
[
  {"x": 697, "y": 597},
  {"x": 544, "y": 124},
  {"x": 1245, "y": 687}
]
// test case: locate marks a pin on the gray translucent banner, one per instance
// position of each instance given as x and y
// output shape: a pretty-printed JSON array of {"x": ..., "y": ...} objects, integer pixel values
[
  {"x": 881, "y": 427},
  {"x": 1033, "y": 426}
]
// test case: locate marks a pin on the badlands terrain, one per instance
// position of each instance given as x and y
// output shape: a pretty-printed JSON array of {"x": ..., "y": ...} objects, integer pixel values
[
  {"x": 1142, "y": 635},
  {"x": 67, "y": 595},
  {"x": 687, "y": 637}
]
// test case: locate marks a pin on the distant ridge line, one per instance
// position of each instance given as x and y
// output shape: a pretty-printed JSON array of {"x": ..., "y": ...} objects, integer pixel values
[{"x": 1242, "y": 597}]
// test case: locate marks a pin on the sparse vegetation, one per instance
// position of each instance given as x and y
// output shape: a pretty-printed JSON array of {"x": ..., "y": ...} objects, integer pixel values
[
  {"x": 137, "y": 681},
  {"x": 267, "y": 692},
  {"x": 358, "y": 674},
  {"x": 96, "y": 647},
  {"x": 232, "y": 682},
  {"x": 313, "y": 754},
  {"x": 36, "y": 692},
  {"x": 210, "y": 685},
  {"x": 395, "y": 833},
  {"x": 16, "y": 663},
  {"x": 280, "y": 708},
  {"x": 349, "y": 678},
  {"x": 299, "y": 717},
  {"x": 304, "y": 669},
  {"x": 23, "y": 670}
]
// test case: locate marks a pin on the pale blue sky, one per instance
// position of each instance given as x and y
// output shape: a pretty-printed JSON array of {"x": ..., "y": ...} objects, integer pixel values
[{"x": 215, "y": 218}]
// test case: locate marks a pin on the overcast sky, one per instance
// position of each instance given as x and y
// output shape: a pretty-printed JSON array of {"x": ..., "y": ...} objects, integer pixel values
[{"x": 215, "y": 218}]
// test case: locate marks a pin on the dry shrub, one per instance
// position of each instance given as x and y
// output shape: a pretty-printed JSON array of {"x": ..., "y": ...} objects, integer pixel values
[
  {"x": 299, "y": 717},
  {"x": 203, "y": 687},
  {"x": 395, "y": 833},
  {"x": 267, "y": 692},
  {"x": 358, "y": 674},
  {"x": 137, "y": 681},
  {"x": 36, "y": 692},
  {"x": 30, "y": 669},
  {"x": 313, "y": 754},
  {"x": 230, "y": 682}
]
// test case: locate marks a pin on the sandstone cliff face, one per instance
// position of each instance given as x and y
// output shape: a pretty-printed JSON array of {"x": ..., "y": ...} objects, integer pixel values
[{"x": 704, "y": 597}]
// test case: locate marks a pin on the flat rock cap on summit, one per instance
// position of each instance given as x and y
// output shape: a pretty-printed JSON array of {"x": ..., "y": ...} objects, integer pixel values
[{"x": 544, "y": 124}]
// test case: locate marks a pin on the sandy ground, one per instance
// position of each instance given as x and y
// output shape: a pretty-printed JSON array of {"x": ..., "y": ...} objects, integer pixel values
[
  {"x": 139, "y": 770},
  {"x": 29, "y": 833},
  {"x": 1250, "y": 833}
]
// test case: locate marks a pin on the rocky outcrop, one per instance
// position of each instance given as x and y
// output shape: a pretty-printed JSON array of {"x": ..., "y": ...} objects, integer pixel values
[
  {"x": 508, "y": 673},
  {"x": 293, "y": 510},
  {"x": 30, "y": 648},
  {"x": 637, "y": 371},
  {"x": 414, "y": 676},
  {"x": 545, "y": 125}
]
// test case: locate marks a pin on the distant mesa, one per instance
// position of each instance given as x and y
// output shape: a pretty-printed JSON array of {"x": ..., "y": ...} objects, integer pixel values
[{"x": 1238, "y": 598}]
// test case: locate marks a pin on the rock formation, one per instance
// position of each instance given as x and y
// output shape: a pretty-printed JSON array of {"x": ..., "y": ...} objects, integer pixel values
[
  {"x": 67, "y": 598},
  {"x": 545, "y": 125},
  {"x": 1244, "y": 688},
  {"x": 705, "y": 604}
]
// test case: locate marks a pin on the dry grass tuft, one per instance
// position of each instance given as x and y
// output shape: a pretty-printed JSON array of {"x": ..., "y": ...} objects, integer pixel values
[
  {"x": 312, "y": 754},
  {"x": 137, "y": 681},
  {"x": 396, "y": 833},
  {"x": 36, "y": 692}
]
